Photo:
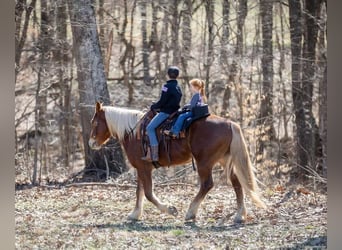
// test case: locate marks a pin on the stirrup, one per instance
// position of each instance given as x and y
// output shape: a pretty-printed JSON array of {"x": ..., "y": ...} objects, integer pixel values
[
  {"x": 147, "y": 157},
  {"x": 169, "y": 133}
]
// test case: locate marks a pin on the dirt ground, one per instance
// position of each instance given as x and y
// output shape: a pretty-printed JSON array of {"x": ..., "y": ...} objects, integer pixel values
[{"x": 94, "y": 216}]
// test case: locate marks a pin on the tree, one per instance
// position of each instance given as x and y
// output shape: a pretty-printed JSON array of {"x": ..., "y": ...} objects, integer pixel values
[
  {"x": 266, "y": 109},
  {"x": 209, "y": 7},
  {"x": 234, "y": 74},
  {"x": 145, "y": 45},
  {"x": 62, "y": 62},
  {"x": 280, "y": 41},
  {"x": 45, "y": 42},
  {"x": 224, "y": 53},
  {"x": 91, "y": 82},
  {"x": 21, "y": 32},
  {"x": 295, "y": 11},
  {"x": 186, "y": 38},
  {"x": 155, "y": 43},
  {"x": 164, "y": 33},
  {"x": 312, "y": 139},
  {"x": 128, "y": 58},
  {"x": 304, "y": 32},
  {"x": 322, "y": 63},
  {"x": 173, "y": 7}
]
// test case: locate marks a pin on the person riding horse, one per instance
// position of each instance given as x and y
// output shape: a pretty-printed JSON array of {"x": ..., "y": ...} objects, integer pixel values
[{"x": 168, "y": 103}]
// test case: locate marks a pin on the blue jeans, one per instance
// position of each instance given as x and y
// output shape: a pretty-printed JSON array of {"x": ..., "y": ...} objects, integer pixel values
[
  {"x": 176, "y": 128},
  {"x": 153, "y": 125}
]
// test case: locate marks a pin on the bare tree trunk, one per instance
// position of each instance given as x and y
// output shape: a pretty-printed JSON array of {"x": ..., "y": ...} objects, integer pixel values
[
  {"x": 108, "y": 54},
  {"x": 91, "y": 82},
  {"x": 173, "y": 6},
  {"x": 36, "y": 127},
  {"x": 322, "y": 59},
  {"x": 20, "y": 37},
  {"x": 242, "y": 14},
  {"x": 295, "y": 10},
  {"x": 145, "y": 45},
  {"x": 45, "y": 42},
  {"x": 266, "y": 108},
  {"x": 283, "y": 92},
  {"x": 186, "y": 38},
  {"x": 164, "y": 36},
  {"x": 323, "y": 120},
  {"x": 311, "y": 141},
  {"x": 105, "y": 35},
  {"x": 235, "y": 68},
  {"x": 131, "y": 56},
  {"x": 127, "y": 59},
  {"x": 224, "y": 55},
  {"x": 281, "y": 48},
  {"x": 61, "y": 54},
  {"x": 155, "y": 43},
  {"x": 308, "y": 141},
  {"x": 101, "y": 22},
  {"x": 209, "y": 7},
  {"x": 19, "y": 10},
  {"x": 225, "y": 33}
]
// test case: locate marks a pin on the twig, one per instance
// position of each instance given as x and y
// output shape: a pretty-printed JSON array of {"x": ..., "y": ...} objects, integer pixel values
[
  {"x": 175, "y": 184},
  {"x": 107, "y": 167},
  {"x": 83, "y": 184},
  {"x": 312, "y": 172}
]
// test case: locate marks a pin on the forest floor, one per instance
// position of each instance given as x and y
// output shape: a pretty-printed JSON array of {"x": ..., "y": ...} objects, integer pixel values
[{"x": 94, "y": 216}]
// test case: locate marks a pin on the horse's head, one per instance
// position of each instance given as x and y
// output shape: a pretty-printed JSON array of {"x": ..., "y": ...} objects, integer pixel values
[{"x": 99, "y": 133}]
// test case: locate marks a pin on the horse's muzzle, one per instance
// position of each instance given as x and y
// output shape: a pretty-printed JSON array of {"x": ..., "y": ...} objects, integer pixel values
[{"x": 93, "y": 144}]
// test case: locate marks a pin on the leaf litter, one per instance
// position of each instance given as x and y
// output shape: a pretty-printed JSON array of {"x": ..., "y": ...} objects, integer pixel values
[{"x": 95, "y": 217}]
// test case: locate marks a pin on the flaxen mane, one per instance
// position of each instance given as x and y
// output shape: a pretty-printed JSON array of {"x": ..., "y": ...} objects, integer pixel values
[{"x": 121, "y": 120}]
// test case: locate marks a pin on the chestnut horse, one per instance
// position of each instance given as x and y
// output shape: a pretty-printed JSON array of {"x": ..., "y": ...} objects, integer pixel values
[{"x": 209, "y": 140}]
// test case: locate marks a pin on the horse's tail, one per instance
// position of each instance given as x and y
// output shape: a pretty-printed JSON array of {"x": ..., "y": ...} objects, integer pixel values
[{"x": 242, "y": 166}]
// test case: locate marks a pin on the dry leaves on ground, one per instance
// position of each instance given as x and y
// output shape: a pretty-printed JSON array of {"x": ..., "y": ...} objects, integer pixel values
[{"x": 94, "y": 217}]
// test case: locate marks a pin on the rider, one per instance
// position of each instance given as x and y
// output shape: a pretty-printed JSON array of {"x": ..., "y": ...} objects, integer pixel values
[
  {"x": 168, "y": 103},
  {"x": 197, "y": 87}
]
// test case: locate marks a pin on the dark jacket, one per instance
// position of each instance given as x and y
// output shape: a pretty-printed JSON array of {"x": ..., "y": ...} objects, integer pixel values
[{"x": 171, "y": 95}]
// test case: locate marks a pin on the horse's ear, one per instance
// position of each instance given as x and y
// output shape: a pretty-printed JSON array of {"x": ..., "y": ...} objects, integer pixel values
[{"x": 98, "y": 106}]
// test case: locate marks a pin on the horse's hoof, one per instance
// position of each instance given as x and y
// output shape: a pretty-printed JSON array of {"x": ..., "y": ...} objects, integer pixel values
[
  {"x": 132, "y": 217},
  {"x": 190, "y": 217},
  {"x": 173, "y": 211},
  {"x": 238, "y": 219}
]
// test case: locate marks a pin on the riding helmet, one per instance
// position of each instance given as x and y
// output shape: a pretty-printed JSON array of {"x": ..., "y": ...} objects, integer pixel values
[{"x": 173, "y": 72}]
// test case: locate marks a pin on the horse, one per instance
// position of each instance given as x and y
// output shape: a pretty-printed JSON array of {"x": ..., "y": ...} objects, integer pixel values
[{"x": 208, "y": 140}]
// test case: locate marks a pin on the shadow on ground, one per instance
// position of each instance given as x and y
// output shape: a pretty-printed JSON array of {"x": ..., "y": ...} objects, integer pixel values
[
  {"x": 318, "y": 243},
  {"x": 140, "y": 226}
]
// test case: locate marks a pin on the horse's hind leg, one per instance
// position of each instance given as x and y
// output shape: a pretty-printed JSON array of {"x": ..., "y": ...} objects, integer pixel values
[
  {"x": 206, "y": 184},
  {"x": 146, "y": 177},
  {"x": 241, "y": 214},
  {"x": 137, "y": 212}
]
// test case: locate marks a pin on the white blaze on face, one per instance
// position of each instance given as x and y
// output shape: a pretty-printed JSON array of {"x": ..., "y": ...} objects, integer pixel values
[{"x": 93, "y": 144}]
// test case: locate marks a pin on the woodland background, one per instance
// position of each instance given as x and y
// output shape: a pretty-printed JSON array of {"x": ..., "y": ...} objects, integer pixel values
[{"x": 265, "y": 66}]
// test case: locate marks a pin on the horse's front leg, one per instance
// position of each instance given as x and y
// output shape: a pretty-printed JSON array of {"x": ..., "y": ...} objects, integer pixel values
[
  {"x": 145, "y": 175},
  {"x": 137, "y": 212}
]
